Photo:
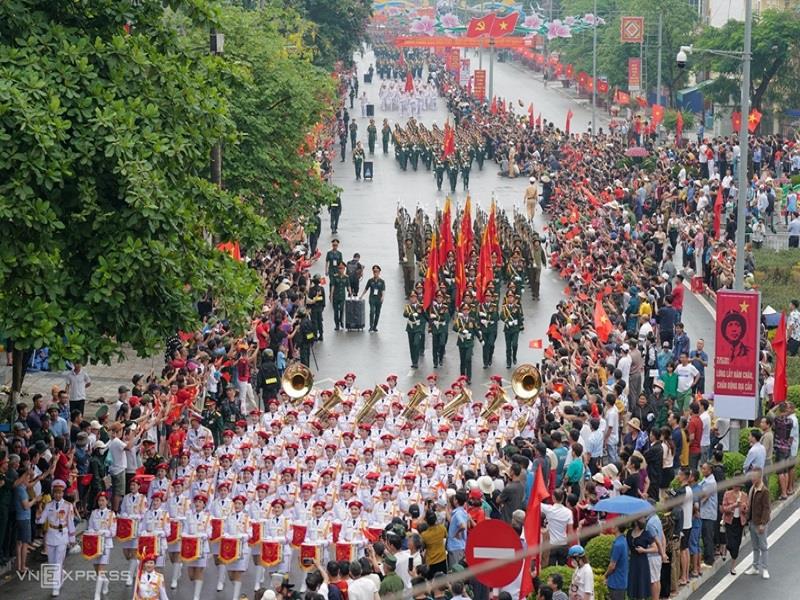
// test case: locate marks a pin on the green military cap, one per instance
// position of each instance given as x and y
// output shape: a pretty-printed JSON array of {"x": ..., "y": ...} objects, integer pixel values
[{"x": 101, "y": 412}]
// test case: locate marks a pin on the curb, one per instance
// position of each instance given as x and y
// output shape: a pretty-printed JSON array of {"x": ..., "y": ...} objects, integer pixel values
[{"x": 686, "y": 591}]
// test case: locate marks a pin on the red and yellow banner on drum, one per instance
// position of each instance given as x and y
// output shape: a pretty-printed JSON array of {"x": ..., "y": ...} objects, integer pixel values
[
  {"x": 174, "y": 533},
  {"x": 230, "y": 550},
  {"x": 309, "y": 555},
  {"x": 345, "y": 551},
  {"x": 148, "y": 545},
  {"x": 92, "y": 545},
  {"x": 191, "y": 548},
  {"x": 298, "y": 535},
  {"x": 126, "y": 529},
  {"x": 216, "y": 529},
  {"x": 255, "y": 533},
  {"x": 271, "y": 554}
]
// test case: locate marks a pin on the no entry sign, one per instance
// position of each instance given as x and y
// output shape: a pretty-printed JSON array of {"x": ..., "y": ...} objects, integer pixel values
[{"x": 489, "y": 541}]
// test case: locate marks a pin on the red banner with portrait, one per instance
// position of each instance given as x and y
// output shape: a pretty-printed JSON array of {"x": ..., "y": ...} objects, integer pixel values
[{"x": 736, "y": 359}]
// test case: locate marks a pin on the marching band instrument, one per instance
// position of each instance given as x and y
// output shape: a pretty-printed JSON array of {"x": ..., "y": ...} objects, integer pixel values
[
  {"x": 376, "y": 395},
  {"x": 416, "y": 399},
  {"x": 452, "y": 407},
  {"x": 500, "y": 398},
  {"x": 332, "y": 400},
  {"x": 526, "y": 381},
  {"x": 297, "y": 381}
]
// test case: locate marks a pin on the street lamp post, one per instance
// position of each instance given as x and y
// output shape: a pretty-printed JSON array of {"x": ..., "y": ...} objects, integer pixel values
[{"x": 594, "y": 70}]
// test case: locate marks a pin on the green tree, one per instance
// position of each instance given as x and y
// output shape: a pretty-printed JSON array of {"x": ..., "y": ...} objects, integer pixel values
[
  {"x": 105, "y": 206},
  {"x": 276, "y": 98},
  {"x": 776, "y": 42},
  {"x": 340, "y": 27},
  {"x": 679, "y": 23}
]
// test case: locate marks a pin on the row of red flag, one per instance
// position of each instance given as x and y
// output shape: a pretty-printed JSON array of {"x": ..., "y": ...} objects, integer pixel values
[{"x": 442, "y": 244}]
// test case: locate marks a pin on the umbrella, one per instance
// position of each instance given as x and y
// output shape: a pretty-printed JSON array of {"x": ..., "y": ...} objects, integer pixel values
[
  {"x": 636, "y": 151},
  {"x": 624, "y": 505}
]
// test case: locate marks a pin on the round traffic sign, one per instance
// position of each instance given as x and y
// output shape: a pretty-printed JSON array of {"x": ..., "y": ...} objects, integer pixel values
[{"x": 490, "y": 540}]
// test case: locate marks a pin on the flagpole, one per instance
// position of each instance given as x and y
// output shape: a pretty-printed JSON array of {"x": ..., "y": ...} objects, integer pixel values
[
  {"x": 741, "y": 198},
  {"x": 491, "y": 67},
  {"x": 594, "y": 69}
]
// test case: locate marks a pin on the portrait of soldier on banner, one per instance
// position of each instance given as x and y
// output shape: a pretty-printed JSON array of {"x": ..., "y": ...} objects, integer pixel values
[{"x": 734, "y": 331}]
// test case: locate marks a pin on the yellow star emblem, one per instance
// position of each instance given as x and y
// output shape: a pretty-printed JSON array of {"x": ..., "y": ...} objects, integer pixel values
[
  {"x": 503, "y": 26},
  {"x": 744, "y": 306}
]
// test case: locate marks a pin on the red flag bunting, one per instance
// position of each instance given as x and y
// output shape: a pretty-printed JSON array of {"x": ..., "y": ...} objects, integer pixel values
[
  {"x": 432, "y": 274},
  {"x": 601, "y": 322},
  {"x": 533, "y": 529},
  {"x": 780, "y": 388}
]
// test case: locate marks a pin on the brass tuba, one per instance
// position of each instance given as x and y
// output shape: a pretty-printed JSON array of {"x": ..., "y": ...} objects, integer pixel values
[
  {"x": 500, "y": 398},
  {"x": 325, "y": 410},
  {"x": 377, "y": 394},
  {"x": 416, "y": 399},
  {"x": 526, "y": 381},
  {"x": 297, "y": 381},
  {"x": 452, "y": 407}
]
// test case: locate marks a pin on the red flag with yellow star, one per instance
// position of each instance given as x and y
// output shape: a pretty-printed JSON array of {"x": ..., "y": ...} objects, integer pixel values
[
  {"x": 601, "y": 322},
  {"x": 504, "y": 25},
  {"x": 753, "y": 120}
]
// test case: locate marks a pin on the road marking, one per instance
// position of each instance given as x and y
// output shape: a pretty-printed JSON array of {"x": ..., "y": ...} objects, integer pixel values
[
  {"x": 705, "y": 303},
  {"x": 492, "y": 553},
  {"x": 716, "y": 591}
]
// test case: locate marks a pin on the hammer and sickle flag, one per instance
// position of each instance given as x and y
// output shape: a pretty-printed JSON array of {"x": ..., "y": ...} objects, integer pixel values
[{"x": 479, "y": 26}]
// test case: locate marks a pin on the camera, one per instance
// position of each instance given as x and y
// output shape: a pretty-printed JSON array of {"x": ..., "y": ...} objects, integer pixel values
[{"x": 682, "y": 56}]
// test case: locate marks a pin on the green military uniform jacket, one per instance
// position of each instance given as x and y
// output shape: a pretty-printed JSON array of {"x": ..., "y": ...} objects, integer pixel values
[
  {"x": 375, "y": 288},
  {"x": 466, "y": 328},
  {"x": 339, "y": 283},
  {"x": 513, "y": 318},
  {"x": 415, "y": 316}
]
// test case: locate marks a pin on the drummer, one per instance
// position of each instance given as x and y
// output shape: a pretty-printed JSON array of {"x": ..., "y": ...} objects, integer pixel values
[
  {"x": 102, "y": 522},
  {"x": 197, "y": 525},
  {"x": 259, "y": 511},
  {"x": 277, "y": 530},
  {"x": 178, "y": 507},
  {"x": 133, "y": 507},
  {"x": 154, "y": 522},
  {"x": 237, "y": 526},
  {"x": 221, "y": 508}
]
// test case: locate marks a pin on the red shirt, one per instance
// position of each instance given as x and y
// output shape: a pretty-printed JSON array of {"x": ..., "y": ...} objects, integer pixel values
[
  {"x": 175, "y": 441},
  {"x": 677, "y": 297},
  {"x": 262, "y": 333},
  {"x": 61, "y": 471},
  {"x": 695, "y": 428}
]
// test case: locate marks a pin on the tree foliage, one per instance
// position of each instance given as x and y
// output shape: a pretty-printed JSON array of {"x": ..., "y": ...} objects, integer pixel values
[
  {"x": 776, "y": 42},
  {"x": 106, "y": 212},
  {"x": 340, "y": 27},
  {"x": 277, "y": 97},
  {"x": 679, "y": 22}
]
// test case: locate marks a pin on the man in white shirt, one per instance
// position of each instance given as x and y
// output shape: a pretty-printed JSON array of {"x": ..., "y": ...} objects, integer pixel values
[
  {"x": 685, "y": 478},
  {"x": 624, "y": 363},
  {"x": 361, "y": 588},
  {"x": 119, "y": 463},
  {"x": 77, "y": 383},
  {"x": 705, "y": 438},
  {"x": 688, "y": 375},
  {"x": 612, "y": 429},
  {"x": 559, "y": 520}
]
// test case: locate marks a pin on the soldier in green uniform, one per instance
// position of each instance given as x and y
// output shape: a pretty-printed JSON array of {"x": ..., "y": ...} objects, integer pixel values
[
  {"x": 375, "y": 287},
  {"x": 514, "y": 322},
  {"x": 465, "y": 326},
  {"x": 333, "y": 258},
  {"x": 415, "y": 327},
  {"x": 405, "y": 152},
  {"x": 427, "y": 156},
  {"x": 316, "y": 304},
  {"x": 466, "y": 165},
  {"x": 372, "y": 136},
  {"x": 212, "y": 419},
  {"x": 452, "y": 172},
  {"x": 335, "y": 210},
  {"x": 438, "y": 319},
  {"x": 515, "y": 273},
  {"x": 386, "y": 133},
  {"x": 340, "y": 283},
  {"x": 414, "y": 157},
  {"x": 303, "y": 336},
  {"x": 353, "y": 133},
  {"x": 358, "y": 159},
  {"x": 438, "y": 169},
  {"x": 488, "y": 316},
  {"x": 151, "y": 457},
  {"x": 480, "y": 154}
]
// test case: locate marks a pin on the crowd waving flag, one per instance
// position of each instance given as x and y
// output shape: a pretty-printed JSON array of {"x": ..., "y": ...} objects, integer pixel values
[{"x": 570, "y": 114}]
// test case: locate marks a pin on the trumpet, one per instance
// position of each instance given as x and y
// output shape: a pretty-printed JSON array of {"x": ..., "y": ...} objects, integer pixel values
[
  {"x": 334, "y": 399},
  {"x": 526, "y": 381},
  {"x": 500, "y": 398},
  {"x": 377, "y": 394},
  {"x": 416, "y": 399},
  {"x": 297, "y": 381},
  {"x": 452, "y": 407}
]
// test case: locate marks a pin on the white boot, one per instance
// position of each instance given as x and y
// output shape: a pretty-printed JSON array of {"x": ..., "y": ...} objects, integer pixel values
[
  {"x": 131, "y": 571},
  {"x": 105, "y": 585},
  {"x": 198, "y": 588},
  {"x": 176, "y": 574},
  {"x": 259, "y": 578},
  {"x": 237, "y": 587},
  {"x": 220, "y": 577},
  {"x": 98, "y": 587}
]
